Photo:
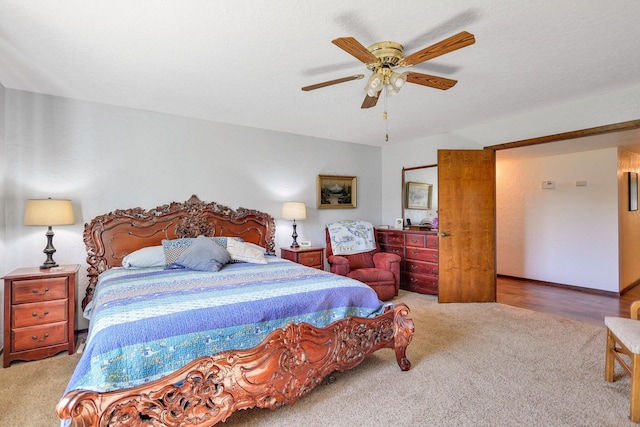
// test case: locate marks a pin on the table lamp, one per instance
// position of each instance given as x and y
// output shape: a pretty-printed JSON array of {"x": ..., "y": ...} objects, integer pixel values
[
  {"x": 294, "y": 210},
  {"x": 49, "y": 212}
]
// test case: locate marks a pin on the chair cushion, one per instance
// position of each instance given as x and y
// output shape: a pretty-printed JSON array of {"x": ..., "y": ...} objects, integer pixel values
[
  {"x": 627, "y": 331},
  {"x": 363, "y": 260},
  {"x": 373, "y": 276}
]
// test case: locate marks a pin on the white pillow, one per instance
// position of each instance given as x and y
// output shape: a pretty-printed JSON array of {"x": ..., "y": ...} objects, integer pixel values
[
  {"x": 242, "y": 252},
  {"x": 151, "y": 256},
  {"x": 258, "y": 247}
]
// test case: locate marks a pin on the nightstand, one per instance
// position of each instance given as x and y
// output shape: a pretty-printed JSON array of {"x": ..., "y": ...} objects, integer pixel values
[
  {"x": 39, "y": 312},
  {"x": 311, "y": 256}
]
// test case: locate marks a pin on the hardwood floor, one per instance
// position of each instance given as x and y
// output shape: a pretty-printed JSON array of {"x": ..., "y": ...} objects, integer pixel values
[{"x": 574, "y": 304}]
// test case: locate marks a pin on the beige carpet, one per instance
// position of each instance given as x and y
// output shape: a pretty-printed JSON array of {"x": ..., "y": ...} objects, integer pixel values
[{"x": 473, "y": 365}]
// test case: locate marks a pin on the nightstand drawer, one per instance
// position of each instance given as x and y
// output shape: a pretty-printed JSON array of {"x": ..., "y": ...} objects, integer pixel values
[
  {"x": 39, "y": 313},
  {"x": 311, "y": 256},
  {"x": 38, "y": 336},
  {"x": 310, "y": 259},
  {"x": 35, "y": 290}
]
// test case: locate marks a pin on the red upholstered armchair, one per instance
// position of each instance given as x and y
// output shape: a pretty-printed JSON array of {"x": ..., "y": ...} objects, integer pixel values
[{"x": 379, "y": 270}]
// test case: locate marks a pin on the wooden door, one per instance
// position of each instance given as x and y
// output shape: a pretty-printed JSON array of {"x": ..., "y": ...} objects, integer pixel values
[{"x": 467, "y": 226}]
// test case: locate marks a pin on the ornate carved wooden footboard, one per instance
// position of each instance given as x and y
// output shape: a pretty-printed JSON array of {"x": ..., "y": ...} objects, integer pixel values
[{"x": 287, "y": 365}]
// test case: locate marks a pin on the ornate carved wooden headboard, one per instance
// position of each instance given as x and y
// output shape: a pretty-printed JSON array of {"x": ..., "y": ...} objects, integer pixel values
[{"x": 110, "y": 237}]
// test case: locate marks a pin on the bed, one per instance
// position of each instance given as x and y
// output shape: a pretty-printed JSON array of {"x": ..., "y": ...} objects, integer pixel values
[{"x": 257, "y": 334}]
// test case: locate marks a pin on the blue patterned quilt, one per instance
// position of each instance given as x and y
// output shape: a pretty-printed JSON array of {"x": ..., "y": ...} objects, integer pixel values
[{"x": 145, "y": 324}]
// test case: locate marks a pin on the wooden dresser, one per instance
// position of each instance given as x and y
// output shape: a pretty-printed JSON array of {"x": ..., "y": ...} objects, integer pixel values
[
  {"x": 39, "y": 312},
  {"x": 419, "y": 252}
]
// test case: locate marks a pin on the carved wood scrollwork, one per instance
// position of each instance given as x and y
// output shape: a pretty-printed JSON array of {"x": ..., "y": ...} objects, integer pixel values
[
  {"x": 106, "y": 247},
  {"x": 287, "y": 365}
]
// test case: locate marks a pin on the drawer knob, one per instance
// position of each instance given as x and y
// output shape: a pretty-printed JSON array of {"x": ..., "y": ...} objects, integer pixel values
[
  {"x": 35, "y": 291},
  {"x": 35, "y": 338},
  {"x": 34, "y": 314}
]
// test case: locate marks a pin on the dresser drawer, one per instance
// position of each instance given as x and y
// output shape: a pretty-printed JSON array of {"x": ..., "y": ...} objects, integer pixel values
[
  {"x": 38, "y": 313},
  {"x": 398, "y": 250},
  {"x": 38, "y": 336},
  {"x": 420, "y": 283},
  {"x": 416, "y": 240},
  {"x": 396, "y": 239},
  {"x": 432, "y": 241},
  {"x": 422, "y": 254},
  {"x": 311, "y": 259},
  {"x": 420, "y": 267},
  {"x": 35, "y": 290}
]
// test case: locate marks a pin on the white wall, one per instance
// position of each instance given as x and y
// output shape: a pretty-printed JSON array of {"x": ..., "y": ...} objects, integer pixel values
[
  {"x": 105, "y": 157},
  {"x": 568, "y": 234},
  {"x": 3, "y": 168},
  {"x": 604, "y": 109},
  {"x": 584, "y": 113}
]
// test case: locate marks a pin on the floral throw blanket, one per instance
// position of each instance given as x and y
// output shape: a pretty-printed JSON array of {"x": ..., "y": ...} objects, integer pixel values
[{"x": 351, "y": 237}]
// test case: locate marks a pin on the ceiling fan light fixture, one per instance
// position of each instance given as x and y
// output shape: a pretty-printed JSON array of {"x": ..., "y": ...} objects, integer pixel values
[
  {"x": 374, "y": 84},
  {"x": 390, "y": 89},
  {"x": 397, "y": 80}
]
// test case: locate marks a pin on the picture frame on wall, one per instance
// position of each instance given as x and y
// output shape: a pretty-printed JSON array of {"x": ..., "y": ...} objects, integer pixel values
[
  {"x": 633, "y": 191},
  {"x": 418, "y": 195},
  {"x": 337, "y": 192}
]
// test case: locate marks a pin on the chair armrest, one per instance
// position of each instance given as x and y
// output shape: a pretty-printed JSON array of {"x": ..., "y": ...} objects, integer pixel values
[
  {"x": 391, "y": 262},
  {"x": 338, "y": 265},
  {"x": 384, "y": 260},
  {"x": 633, "y": 311}
]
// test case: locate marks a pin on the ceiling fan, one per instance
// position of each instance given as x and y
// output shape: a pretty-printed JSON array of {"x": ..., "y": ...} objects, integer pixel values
[{"x": 383, "y": 57}]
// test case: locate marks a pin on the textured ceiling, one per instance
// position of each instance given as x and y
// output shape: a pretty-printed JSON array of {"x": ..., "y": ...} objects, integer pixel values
[{"x": 244, "y": 61}]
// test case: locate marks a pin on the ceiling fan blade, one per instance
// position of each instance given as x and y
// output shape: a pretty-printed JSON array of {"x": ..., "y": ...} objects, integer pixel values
[
  {"x": 355, "y": 49},
  {"x": 458, "y": 41},
  {"x": 370, "y": 101},
  {"x": 431, "y": 81},
  {"x": 333, "y": 82}
]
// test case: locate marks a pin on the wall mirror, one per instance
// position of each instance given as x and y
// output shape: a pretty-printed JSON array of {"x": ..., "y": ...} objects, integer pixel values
[{"x": 419, "y": 194}]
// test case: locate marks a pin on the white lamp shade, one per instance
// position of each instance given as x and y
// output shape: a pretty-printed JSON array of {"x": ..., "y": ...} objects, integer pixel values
[
  {"x": 48, "y": 212},
  {"x": 294, "y": 210}
]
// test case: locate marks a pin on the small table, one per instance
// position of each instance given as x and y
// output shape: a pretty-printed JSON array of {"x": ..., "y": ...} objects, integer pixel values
[
  {"x": 39, "y": 312},
  {"x": 311, "y": 256}
]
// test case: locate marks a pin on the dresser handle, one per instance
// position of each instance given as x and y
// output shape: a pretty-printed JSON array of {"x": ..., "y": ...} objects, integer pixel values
[
  {"x": 35, "y": 338},
  {"x": 35, "y": 291},
  {"x": 34, "y": 314},
  {"x": 413, "y": 266}
]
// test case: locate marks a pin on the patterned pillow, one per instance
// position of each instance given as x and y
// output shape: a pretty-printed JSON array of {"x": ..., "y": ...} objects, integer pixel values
[
  {"x": 203, "y": 255},
  {"x": 175, "y": 247}
]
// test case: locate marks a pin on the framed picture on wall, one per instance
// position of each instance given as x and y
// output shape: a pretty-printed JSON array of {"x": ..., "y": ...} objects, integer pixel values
[
  {"x": 336, "y": 192},
  {"x": 633, "y": 191},
  {"x": 418, "y": 196}
]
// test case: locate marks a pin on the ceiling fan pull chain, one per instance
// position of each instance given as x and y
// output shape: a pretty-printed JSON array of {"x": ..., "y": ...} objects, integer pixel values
[{"x": 384, "y": 117}]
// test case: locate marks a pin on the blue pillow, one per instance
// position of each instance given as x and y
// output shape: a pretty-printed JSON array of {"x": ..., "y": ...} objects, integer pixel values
[{"x": 203, "y": 255}]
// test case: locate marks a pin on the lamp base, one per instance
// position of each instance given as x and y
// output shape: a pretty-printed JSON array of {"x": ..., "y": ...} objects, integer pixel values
[
  {"x": 49, "y": 250},
  {"x": 294, "y": 244},
  {"x": 49, "y": 263}
]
